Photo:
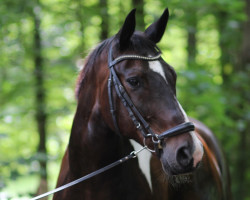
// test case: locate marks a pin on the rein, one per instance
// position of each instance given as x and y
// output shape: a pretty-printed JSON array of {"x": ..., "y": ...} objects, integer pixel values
[
  {"x": 182, "y": 128},
  {"x": 133, "y": 154}
]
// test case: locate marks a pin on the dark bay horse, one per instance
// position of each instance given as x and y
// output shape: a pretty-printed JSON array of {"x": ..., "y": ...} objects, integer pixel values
[{"x": 106, "y": 127}]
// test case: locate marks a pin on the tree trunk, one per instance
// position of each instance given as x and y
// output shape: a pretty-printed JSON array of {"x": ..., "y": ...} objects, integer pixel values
[
  {"x": 246, "y": 39},
  {"x": 235, "y": 62},
  {"x": 225, "y": 58},
  {"x": 40, "y": 102},
  {"x": 80, "y": 17},
  {"x": 138, "y": 4},
  {"x": 191, "y": 41},
  {"x": 105, "y": 19},
  {"x": 244, "y": 68}
]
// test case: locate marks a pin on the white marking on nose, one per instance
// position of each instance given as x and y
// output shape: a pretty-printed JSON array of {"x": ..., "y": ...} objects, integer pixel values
[
  {"x": 198, "y": 149},
  {"x": 157, "y": 67},
  {"x": 144, "y": 158}
]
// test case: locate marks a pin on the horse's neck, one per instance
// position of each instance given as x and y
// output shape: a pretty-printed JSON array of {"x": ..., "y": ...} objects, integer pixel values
[{"x": 92, "y": 144}]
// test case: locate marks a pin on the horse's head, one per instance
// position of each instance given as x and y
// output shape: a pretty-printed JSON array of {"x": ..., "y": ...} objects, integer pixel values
[{"x": 151, "y": 87}]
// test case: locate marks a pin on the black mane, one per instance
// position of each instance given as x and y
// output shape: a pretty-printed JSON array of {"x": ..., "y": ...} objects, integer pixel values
[{"x": 89, "y": 62}]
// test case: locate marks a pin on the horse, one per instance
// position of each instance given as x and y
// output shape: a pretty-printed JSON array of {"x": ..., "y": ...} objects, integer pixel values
[{"x": 126, "y": 96}]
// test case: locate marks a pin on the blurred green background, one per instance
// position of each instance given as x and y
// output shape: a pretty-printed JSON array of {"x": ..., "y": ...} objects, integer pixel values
[{"x": 42, "y": 46}]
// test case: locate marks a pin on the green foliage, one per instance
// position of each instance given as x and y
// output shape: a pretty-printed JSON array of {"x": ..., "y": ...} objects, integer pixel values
[{"x": 210, "y": 89}]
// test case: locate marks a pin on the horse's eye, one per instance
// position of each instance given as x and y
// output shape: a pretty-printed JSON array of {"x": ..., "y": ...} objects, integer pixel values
[{"x": 134, "y": 82}]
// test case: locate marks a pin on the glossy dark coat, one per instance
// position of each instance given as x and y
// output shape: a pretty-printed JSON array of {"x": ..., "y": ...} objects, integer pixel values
[{"x": 94, "y": 143}]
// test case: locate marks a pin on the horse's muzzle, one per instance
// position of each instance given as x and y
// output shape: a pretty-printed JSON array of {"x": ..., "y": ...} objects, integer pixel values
[{"x": 178, "y": 150}]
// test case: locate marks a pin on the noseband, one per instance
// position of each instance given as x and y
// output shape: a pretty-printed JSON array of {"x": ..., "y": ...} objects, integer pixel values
[{"x": 138, "y": 120}]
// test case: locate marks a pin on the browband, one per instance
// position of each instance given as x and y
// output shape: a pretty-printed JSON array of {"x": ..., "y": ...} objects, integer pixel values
[{"x": 112, "y": 62}]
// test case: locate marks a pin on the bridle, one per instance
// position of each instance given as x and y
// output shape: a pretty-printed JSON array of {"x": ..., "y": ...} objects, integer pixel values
[{"x": 138, "y": 120}]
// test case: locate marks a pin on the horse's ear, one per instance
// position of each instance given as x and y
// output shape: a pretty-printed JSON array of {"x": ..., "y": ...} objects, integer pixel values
[
  {"x": 156, "y": 30},
  {"x": 127, "y": 30}
]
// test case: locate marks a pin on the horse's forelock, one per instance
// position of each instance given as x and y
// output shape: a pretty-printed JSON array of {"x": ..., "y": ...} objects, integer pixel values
[{"x": 142, "y": 45}]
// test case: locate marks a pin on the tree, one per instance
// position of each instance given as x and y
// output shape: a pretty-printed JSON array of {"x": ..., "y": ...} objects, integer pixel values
[
  {"x": 37, "y": 74},
  {"x": 80, "y": 18},
  {"x": 139, "y": 5},
  {"x": 241, "y": 115},
  {"x": 40, "y": 99},
  {"x": 234, "y": 61},
  {"x": 105, "y": 19},
  {"x": 191, "y": 39}
]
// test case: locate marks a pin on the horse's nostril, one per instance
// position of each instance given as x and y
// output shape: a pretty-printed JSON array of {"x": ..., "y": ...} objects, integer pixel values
[{"x": 184, "y": 158}]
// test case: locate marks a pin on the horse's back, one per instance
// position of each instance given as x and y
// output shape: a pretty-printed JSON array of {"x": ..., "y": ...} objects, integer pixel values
[{"x": 209, "y": 182}]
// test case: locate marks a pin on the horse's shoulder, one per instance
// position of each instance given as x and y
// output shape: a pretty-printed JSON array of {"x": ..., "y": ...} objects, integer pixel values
[
  {"x": 211, "y": 142},
  {"x": 206, "y": 134},
  {"x": 214, "y": 147},
  {"x": 64, "y": 169}
]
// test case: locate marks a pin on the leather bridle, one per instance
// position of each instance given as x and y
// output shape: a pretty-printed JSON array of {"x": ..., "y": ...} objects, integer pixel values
[
  {"x": 136, "y": 117},
  {"x": 138, "y": 120}
]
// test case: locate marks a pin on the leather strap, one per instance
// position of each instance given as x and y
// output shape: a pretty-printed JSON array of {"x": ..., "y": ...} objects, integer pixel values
[
  {"x": 134, "y": 114},
  {"x": 138, "y": 120},
  {"x": 177, "y": 130},
  {"x": 133, "y": 154}
]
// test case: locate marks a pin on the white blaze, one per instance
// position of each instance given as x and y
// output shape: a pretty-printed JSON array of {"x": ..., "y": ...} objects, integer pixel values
[{"x": 157, "y": 67}]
